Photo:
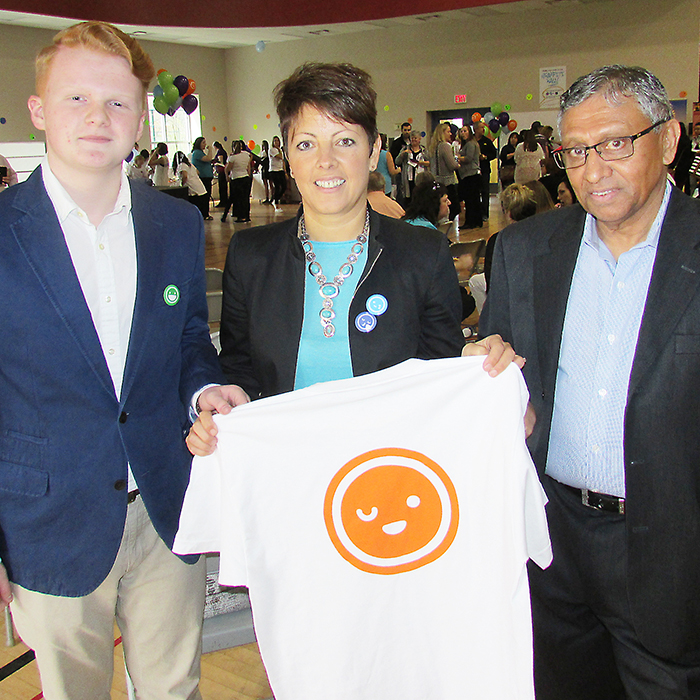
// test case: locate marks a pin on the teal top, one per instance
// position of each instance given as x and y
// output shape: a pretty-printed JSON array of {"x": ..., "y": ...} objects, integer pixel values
[
  {"x": 421, "y": 221},
  {"x": 322, "y": 359}
]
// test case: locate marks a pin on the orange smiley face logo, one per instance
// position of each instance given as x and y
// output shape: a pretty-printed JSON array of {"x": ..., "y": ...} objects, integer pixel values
[{"x": 391, "y": 510}]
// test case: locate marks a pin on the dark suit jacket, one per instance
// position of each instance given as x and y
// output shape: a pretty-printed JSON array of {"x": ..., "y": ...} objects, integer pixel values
[
  {"x": 530, "y": 281},
  {"x": 263, "y": 303},
  {"x": 64, "y": 437}
]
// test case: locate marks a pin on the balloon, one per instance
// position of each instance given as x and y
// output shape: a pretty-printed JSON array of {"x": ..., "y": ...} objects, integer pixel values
[
  {"x": 496, "y": 107},
  {"x": 161, "y": 70},
  {"x": 157, "y": 91},
  {"x": 191, "y": 88},
  {"x": 494, "y": 126},
  {"x": 251, "y": 144},
  {"x": 256, "y": 150},
  {"x": 503, "y": 118},
  {"x": 160, "y": 104},
  {"x": 181, "y": 83},
  {"x": 171, "y": 111},
  {"x": 488, "y": 117},
  {"x": 171, "y": 94},
  {"x": 260, "y": 46},
  {"x": 476, "y": 117},
  {"x": 177, "y": 104},
  {"x": 165, "y": 79},
  {"x": 189, "y": 103},
  {"x": 512, "y": 125}
]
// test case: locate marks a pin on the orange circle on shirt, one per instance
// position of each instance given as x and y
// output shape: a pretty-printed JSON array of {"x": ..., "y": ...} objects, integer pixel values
[{"x": 391, "y": 510}]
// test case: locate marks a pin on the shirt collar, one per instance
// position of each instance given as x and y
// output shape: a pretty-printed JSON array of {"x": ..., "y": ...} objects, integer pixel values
[
  {"x": 63, "y": 203},
  {"x": 591, "y": 238}
]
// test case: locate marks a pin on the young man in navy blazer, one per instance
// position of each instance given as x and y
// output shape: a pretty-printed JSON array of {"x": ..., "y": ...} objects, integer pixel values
[{"x": 105, "y": 350}]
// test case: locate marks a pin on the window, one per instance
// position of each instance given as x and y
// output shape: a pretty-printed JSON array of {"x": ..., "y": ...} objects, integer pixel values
[{"x": 178, "y": 131}]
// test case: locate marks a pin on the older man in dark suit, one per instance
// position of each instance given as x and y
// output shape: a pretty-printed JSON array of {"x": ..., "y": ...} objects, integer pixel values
[{"x": 603, "y": 299}]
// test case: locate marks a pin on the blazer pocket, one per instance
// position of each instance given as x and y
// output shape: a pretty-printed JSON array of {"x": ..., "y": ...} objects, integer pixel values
[
  {"x": 22, "y": 480},
  {"x": 689, "y": 343}
]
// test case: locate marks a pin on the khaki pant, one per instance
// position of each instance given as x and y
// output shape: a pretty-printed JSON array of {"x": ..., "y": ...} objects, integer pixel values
[{"x": 158, "y": 603}]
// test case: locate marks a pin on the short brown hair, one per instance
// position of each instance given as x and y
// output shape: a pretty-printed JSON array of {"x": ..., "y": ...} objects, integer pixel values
[
  {"x": 97, "y": 36},
  {"x": 340, "y": 90}
]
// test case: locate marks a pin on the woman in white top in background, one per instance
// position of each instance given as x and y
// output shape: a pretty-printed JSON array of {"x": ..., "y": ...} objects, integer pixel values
[
  {"x": 278, "y": 177},
  {"x": 239, "y": 172},
  {"x": 189, "y": 176},
  {"x": 528, "y": 159},
  {"x": 158, "y": 162}
]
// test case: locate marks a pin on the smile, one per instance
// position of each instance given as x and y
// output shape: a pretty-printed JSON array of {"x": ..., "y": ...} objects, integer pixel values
[
  {"x": 394, "y": 528},
  {"x": 329, "y": 184}
]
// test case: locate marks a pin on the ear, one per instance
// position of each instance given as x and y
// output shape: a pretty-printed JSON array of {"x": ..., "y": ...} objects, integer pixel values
[
  {"x": 36, "y": 112},
  {"x": 374, "y": 155},
  {"x": 140, "y": 129},
  {"x": 669, "y": 140}
]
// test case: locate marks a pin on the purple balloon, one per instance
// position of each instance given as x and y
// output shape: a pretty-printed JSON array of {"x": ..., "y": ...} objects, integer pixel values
[
  {"x": 494, "y": 125},
  {"x": 189, "y": 103},
  {"x": 503, "y": 118},
  {"x": 182, "y": 84}
]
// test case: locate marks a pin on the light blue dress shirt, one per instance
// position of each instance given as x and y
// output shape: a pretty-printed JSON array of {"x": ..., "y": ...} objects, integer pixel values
[
  {"x": 324, "y": 359},
  {"x": 599, "y": 339}
]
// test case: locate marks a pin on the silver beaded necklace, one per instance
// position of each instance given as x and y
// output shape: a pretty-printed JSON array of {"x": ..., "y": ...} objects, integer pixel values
[{"x": 330, "y": 290}]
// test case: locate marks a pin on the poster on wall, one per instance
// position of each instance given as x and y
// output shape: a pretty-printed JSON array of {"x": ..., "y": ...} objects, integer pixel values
[{"x": 552, "y": 85}]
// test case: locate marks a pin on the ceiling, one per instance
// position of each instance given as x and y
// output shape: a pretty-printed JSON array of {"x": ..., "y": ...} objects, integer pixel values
[{"x": 248, "y": 25}]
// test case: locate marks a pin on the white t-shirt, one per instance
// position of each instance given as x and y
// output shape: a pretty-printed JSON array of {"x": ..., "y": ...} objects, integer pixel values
[
  {"x": 382, "y": 524},
  {"x": 276, "y": 159},
  {"x": 195, "y": 186}
]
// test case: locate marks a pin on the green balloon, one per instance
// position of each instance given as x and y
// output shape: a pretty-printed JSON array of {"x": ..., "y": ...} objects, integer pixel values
[
  {"x": 160, "y": 104},
  {"x": 496, "y": 108},
  {"x": 256, "y": 150},
  {"x": 165, "y": 79},
  {"x": 171, "y": 94}
]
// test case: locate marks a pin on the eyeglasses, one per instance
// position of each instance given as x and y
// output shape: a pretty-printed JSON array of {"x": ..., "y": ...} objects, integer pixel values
[{"x": 610, "y": 149}]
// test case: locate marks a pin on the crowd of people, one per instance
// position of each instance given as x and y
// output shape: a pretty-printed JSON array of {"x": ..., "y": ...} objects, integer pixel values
[{"x": 599, "y": 294}]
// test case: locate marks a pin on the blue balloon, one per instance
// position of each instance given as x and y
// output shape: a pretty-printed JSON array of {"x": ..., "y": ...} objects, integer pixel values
[
  {"x": 260, "y": 46},
  {"x": 157, "y": 91}
]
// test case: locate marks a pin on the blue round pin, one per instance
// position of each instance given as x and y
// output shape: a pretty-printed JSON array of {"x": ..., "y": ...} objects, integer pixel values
[
  {"x": 377, "y": 304},
  {"x": 365, "y": 322}
]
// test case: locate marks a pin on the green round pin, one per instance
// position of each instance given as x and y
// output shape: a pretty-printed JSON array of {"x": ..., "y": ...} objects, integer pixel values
[{"x": 171, "y": 295}]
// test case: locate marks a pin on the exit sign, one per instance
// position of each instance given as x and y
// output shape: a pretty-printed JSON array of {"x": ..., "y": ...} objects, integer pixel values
[{"x": 460, "y": 99}]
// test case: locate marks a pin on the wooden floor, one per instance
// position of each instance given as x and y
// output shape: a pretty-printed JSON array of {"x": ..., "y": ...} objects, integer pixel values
[{"x": 232, "y": 674}]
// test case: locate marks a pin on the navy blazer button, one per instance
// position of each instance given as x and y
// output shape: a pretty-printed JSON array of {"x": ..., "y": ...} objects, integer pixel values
[
  {"x": 123, "y": 417},
  {"x": 120, "y": 484}
]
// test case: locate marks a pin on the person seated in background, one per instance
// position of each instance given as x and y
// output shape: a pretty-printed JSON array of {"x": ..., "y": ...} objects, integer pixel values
[
  {"x": 8, "y": 177},
  {"x": 137, "y": 169},
  {"x": 463, "y": 259},
  {"x": 565, "y": 194},
  {"x": 378, "y": 200},
  {"x": 429, "y": 204}
]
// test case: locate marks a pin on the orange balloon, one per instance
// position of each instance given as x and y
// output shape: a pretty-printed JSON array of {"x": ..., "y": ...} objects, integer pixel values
[
  {"x": 512, "y": 125},
  {"x": 191, "y": 88},
  {"x": 162, "y": 70},
  {"x": 410, "y": 120},
  {"x": 251, "y": 144},
  {"x": 476, "y": 117}
]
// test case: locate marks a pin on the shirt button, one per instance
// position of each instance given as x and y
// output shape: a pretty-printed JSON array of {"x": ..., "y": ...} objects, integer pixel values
[
  {"x": 111, "y": 351},
  {"x": 620, "y": 285},
  {"x": 120, "y": 484},
  {"x": 611, "y": 339},
  {"x": 595, "y": 449},
  {"x": 602, "y": 392},
  {"x": 102, "y": 246},
  {"x": 108, "y": 299}
]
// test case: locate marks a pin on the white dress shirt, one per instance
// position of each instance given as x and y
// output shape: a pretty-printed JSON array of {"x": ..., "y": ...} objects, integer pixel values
[{"x": 104, "y": 258}]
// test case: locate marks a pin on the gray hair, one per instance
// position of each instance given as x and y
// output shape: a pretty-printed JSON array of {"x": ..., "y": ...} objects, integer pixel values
[
  {"x": 416, "y": 133},
  {"x": 616, "y": 83}
]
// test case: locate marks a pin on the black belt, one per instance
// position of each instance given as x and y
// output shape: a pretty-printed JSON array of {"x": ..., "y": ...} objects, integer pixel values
[
  {"x": 599, "y": 501},
  {"x": 132, "y": 496}
]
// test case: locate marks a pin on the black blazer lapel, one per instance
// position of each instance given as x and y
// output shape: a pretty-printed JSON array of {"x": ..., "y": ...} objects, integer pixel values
[
  {"x": 41, "y": 240},
  {"x": 674, "y": 283},
  {"x": 553, "y": 272}
]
